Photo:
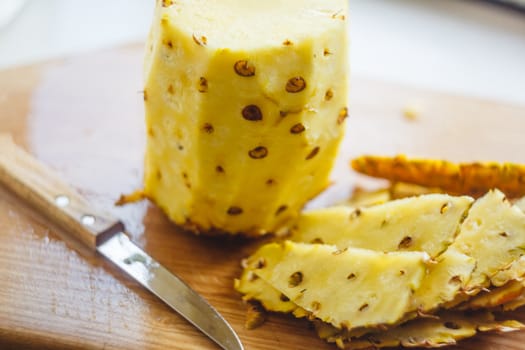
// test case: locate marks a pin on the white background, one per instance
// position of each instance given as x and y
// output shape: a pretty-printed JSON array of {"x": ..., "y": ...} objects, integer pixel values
[{"x": 461, "y": 46}]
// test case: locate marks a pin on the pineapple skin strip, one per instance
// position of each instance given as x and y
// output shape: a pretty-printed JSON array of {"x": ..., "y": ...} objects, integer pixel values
[{"x": 456, "y": 178}]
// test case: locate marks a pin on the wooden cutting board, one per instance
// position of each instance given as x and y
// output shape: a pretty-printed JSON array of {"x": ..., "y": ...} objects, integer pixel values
[{"x": 83, "y": 116}]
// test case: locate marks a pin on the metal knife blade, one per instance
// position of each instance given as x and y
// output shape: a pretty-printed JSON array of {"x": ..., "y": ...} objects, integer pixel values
[
  {"x": 43, "y": 188},
  {"x": 170, "y": 289}
]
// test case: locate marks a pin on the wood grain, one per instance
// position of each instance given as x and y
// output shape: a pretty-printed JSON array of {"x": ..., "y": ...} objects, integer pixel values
[
  {"x": 41, "y": 187},
  {"x": 83, "y": 117}
]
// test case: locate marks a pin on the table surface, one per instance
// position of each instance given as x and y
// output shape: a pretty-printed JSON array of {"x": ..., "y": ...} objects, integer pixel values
[{"x": 83, "y": 116}]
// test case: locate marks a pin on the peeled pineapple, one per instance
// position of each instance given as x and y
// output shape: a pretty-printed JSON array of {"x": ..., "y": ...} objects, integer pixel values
[{"x": 245, "y": 108}]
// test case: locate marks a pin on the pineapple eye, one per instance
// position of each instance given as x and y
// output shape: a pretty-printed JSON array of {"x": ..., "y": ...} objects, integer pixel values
[
  {"x": 455, "y": 280},
  {"x": 363, "y": 307},
  {"x": 328, "y": 95},
  {"x": 355, "y": 214},
  {"x": 234, "y": 210},
  {"x": 317, "y": 241},
  {"x": 200, "y": 40},
  {"x": 219, "y": 169},
  {"x": 258, "y": 152},
  {"x": 295, "y": 84},
  {"x": 295, "y": 279},
  {"x": 444, "y": 208},
  {"x": 343, "y": 114},
  {"x": 252, "y": 113},
  {"x": 208, "y": 128},
  {"x": 145, "y": 95},
  {"x": 281, "y": 209},
  {"x": 270, "y": 182},
  {"x": 297, "y": 128},
  {"x": 244, "y": 69},
  {"x": 339, "y": 251},
  {"x": 405, "y": 243},
  {"x": 203, "y": 84},
  {"x": 326, "y": 52},
  {"x": 260, "y": 263},
  {"x": 315, "y": 306},
  {"x": 284, "y": 298},
  {"x": 503, "y": 234},
  {"x": 313, "y": 153},
  {"x": 166, "y": 3},
  {"x": 287, "y": 42},
  {"x": 351, "y": 276}
]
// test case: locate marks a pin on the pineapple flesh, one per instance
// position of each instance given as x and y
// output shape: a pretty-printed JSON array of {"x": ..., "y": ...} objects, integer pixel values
[
  {"x": 427, "y": 223},
  {"x": 357, "y": 284},
  {"x": 494, "y": 235},
  {"x": 245, "y": 108}
]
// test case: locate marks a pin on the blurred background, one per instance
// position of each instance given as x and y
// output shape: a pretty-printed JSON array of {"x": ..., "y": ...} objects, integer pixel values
[{"x": 474, "y": 48}]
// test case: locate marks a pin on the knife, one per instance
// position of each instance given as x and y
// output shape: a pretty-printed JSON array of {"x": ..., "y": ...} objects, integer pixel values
[{"x": 41, "y": 187}]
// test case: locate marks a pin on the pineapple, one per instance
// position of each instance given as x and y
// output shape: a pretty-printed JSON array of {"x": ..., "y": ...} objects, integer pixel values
[
  {"x": 456, "y": 178},
  {"x": 426, "y": 223},
  {"x": 445, "y": 329},
  {"x": 245, "y": 108},
  {"x": 348, "y": 288},
  {"x": 494, "y": 235}
]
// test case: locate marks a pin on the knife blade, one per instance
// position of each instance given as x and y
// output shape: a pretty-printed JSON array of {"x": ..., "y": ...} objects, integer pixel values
[{"x": 41, "y": 187}]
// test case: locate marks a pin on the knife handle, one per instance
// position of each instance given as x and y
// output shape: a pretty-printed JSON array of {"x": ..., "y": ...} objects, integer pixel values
[{"x": 43, "y": 188}]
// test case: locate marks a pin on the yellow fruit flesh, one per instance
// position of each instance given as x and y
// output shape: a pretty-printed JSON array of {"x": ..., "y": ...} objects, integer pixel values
[
  {"x": 444, "y": 280},
  {"x": 357, "y": 283},
  {"x": 229, "y": 146},
  {"x": 426, "y": 223},
  {"x": 494, "y": 235}
]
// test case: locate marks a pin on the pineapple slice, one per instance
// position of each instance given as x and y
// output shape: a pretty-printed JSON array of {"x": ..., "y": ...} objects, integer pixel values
[
  {"x": 494, "y": 235},
  {"x": 348, "y": 288},
  {"x": 426, "y": 223},
  {"x": 445, "y": 329},
  {"x": 245, "y": 107},
  {"x": 457, "y": 178}
]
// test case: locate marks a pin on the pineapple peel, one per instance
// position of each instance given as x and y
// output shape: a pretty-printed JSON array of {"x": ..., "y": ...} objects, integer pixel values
[{"x": 456, "y": 178}]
